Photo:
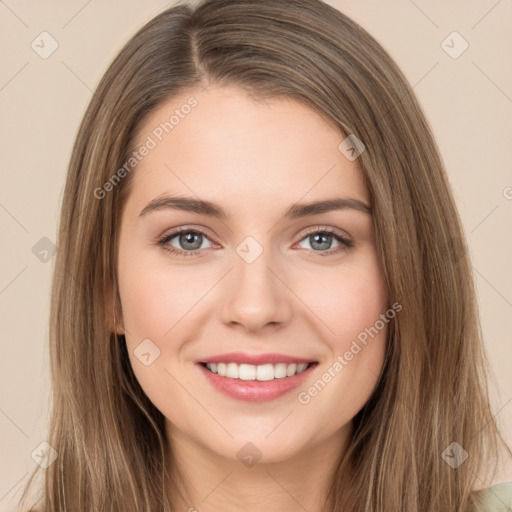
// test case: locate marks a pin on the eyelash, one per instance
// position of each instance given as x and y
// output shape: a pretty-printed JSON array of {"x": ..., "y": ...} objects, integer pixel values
[{"x": 345, "y": 243}]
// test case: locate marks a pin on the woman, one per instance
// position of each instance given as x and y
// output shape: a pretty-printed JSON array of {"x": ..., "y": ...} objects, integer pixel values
[{"x": 262, "y": 296}]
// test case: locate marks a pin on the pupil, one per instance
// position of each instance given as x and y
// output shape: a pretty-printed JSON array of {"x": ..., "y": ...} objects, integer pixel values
[
  {"x": 317, "y": 239},
  {"x": 188, "y": 238}
]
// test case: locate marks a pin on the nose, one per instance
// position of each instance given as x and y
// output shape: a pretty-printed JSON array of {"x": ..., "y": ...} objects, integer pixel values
[{"x": 255, "y": 295}]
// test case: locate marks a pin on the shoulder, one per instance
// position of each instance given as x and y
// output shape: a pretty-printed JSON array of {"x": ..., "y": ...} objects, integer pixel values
[{"x": 496, "y": 498}]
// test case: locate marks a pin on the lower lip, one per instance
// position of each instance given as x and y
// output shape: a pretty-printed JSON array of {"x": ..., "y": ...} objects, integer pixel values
[{"x": 256, "y": 390}]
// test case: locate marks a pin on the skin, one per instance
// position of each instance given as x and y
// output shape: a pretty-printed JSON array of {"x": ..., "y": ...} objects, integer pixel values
[{"x": 255, "y": 159}]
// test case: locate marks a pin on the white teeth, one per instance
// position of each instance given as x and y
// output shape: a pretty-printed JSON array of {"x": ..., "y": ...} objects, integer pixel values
[
  {"x": 301, "y": 367},
  {"x": 251, "y": 372},
  {"x": 291, "y": 369},
  {"x": 280, "y": 370},
  {"x": 265, "y": 372},
  {"x": 232, "y": 371},
  {"x": 247, "y": 372}
]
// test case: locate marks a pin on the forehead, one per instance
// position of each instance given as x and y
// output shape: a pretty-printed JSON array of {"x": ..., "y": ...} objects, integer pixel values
[{"x": 225, "y": 146}]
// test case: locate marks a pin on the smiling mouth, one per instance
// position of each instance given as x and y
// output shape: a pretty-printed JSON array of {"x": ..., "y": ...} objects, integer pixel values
[{"x": 264, "y": 372}]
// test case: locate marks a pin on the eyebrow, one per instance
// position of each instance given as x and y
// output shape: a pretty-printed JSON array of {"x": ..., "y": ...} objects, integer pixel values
[{"x": 191, "y": 204}]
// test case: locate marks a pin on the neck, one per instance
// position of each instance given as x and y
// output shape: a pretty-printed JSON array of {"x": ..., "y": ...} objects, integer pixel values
[{"x": 209, "y": 482}]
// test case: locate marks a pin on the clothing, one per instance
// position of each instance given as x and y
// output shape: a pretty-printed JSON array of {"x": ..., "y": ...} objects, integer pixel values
[{"x": 496, "y": 498}]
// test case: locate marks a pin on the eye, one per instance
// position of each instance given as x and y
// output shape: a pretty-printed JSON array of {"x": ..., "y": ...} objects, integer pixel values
[
  {"x": 320, "y": 240},
  {"x": 189, "y": 241}
]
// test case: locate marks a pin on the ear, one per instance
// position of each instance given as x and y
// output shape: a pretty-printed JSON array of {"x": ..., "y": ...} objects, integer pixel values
[{"x": 110, "y": 309}]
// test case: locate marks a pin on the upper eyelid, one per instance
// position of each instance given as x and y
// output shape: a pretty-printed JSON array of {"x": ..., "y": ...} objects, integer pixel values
[
  {"x": 330, "y": 229},
  {"x": 187, "y": 229}
]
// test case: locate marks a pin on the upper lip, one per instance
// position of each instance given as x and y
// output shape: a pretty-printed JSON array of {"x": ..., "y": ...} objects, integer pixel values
[{"x": 254, "y": 359}]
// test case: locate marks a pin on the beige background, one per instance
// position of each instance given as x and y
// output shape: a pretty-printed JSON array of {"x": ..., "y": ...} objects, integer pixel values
[{"x": 467, "y": 101}]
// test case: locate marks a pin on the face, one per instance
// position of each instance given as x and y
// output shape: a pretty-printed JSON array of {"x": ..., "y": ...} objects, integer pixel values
[{"x": 220, "y": 261}]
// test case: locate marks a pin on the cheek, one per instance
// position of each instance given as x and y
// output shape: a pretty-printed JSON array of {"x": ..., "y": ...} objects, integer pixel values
[
  {"x": 354, "y": 307},
  {"x": 351, "y": 301},
  {"x": 155, "y": 302},
  {"x": 161, "y": 304},
  {"x": 156, "y": 298}
]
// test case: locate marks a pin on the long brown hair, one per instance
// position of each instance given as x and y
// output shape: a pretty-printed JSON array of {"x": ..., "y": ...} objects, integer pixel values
[{"x": 112, "y": 449}]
